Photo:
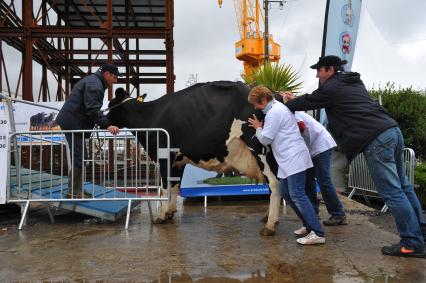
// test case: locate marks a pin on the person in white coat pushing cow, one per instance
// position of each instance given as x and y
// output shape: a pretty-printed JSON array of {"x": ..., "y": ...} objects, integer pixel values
[{"x": 280, "y": 130}]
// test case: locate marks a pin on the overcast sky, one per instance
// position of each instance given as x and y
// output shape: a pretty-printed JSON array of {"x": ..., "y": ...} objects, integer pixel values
[{"x": 391, "y": 44}]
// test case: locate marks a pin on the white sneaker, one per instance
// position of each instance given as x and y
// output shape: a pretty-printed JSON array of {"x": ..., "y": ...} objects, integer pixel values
[
  {"x": 301, "y": 231},
  {"x": 311, "y": 239}
]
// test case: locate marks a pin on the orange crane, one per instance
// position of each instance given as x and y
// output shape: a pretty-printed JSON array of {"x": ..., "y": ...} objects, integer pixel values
[{"x": 251, "y": 47}]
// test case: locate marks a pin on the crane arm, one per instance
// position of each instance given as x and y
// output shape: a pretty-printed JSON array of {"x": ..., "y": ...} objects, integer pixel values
[{"x": 251, "y": 47}]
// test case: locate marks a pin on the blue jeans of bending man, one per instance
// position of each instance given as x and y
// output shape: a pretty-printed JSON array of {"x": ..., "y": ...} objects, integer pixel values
[
  {"x": 293, "y": 191},
  {"x": 321, "y": 171},
  {"x": 385, "y": 161}
]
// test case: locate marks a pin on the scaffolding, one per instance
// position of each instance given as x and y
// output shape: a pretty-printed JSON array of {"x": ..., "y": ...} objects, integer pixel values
[{"x": 72, "y": 38}]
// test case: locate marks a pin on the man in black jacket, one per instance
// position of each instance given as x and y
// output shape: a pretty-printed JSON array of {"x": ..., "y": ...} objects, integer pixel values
[
  {"x": 81, "y": 111},
  {"x": 359, "y": 124}
]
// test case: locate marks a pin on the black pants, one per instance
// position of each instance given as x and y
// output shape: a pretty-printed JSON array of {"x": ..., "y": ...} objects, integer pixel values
[{"x": 311, "y": 188}]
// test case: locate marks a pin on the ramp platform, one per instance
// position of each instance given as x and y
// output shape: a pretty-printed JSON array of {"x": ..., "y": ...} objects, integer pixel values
[{"x": 49, "y": 186}]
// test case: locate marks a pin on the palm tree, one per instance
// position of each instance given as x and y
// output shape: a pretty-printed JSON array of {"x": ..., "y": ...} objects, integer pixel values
[{"x": 276, "y": 77}]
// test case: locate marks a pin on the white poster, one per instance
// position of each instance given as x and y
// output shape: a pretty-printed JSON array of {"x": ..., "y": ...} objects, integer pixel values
[
  {"x": 4, "y": 144},
  {"x": 341, "y": 29},
  {"x": 27, "y": 118}
]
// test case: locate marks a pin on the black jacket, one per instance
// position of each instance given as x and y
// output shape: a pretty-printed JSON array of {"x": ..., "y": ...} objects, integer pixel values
[
  {"x": 354, "y": 118},
  {"x": 81, "y": 111}
]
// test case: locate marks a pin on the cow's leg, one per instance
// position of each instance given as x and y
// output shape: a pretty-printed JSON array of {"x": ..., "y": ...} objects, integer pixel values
[
  {"x": 274, "y": 202},
  {"x": 264, "y": 218},
  {"x": 171, "y": 210},
  {"x": 161, "y": 219},
  {"x": 241, "y": 158},
  {"x": 168, "y": 208}
]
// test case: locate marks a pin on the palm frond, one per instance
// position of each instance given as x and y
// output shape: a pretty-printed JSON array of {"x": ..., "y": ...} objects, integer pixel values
[{"x": 276, "y": 77}]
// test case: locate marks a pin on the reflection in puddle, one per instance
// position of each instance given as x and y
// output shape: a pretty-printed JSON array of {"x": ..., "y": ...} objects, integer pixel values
[{"x": 280, "y": 272}]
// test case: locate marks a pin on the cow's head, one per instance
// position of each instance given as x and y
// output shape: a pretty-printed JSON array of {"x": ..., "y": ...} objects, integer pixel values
[
  {"x": 277, "y": 96},
  {"x": 117, "y": 114}
]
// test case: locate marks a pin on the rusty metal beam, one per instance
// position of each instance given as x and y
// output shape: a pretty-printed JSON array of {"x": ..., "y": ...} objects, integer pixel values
[
  {"x": 43, "y": 84},
  {"x": 93, "y": 51},
  {"x": 99, "y": 62},
  {"x": 74, "y": 32},
  {"x": 122, "y": 80},
  {"x": 3, "y": 64},
  {"x": 135, "y": 4},
  {"x": 19, "y": 80},
  {"x": 24, "y": 34},
  {"x": 169, "y": 47},
  {"x": 152, "y": 15},
  {"x": 27, "y": 56}
]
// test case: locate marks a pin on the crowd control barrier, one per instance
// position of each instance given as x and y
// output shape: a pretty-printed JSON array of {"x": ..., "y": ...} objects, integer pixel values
[{"x": 116, "y": 172}]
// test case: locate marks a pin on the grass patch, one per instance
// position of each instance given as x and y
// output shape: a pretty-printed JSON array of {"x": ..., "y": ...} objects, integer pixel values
[{"x": 236, "y": 180}]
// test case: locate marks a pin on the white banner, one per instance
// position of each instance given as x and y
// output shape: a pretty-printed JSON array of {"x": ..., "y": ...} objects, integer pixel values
[
  {"x": 341, "y": 29},
  {"x": 4, "y": 144},
  {"x": 340, "y": 33}
]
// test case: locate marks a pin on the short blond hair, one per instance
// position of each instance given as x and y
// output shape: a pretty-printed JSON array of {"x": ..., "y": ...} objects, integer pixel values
[{"x": 258, "y": 93}]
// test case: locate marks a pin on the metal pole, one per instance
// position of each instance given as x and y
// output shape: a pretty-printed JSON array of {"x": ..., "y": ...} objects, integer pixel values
[{"x": 266, "y": 37}]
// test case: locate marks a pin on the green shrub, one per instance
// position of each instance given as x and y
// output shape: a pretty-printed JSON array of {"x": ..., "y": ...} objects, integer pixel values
[
  {"x": 408, "y": 107},
  {"x": 420, "y": 182}
]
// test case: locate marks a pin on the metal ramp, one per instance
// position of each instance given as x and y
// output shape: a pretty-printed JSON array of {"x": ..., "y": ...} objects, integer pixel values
[{"x": 48, "y": 186}]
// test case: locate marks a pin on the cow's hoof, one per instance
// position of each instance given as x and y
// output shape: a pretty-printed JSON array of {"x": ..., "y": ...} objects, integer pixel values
[
  {"x": 158, "y": 220},
  {"x": 264, "y": 219},
  {"x": 169, "y": 215},
  {"x": 266, "y": 232}
]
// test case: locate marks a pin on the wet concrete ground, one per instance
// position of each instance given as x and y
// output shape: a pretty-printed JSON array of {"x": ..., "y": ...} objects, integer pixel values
[{"x": 219, "y": 244}]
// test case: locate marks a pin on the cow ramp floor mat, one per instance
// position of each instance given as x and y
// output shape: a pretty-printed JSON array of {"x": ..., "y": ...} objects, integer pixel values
[{"x": 48, "y": 186}]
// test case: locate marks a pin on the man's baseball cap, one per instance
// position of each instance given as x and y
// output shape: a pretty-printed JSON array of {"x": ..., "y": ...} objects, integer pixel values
[
  {"x": 110, "y": 68},
  {"x": 329, "y": 60}
]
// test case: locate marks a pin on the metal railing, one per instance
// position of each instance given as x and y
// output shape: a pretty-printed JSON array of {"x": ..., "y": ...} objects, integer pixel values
[
  {"x": 115, "y": 168},
  {"x": 360, "y": 178}
]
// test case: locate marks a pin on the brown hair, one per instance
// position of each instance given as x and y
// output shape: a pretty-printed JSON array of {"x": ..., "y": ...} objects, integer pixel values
[{"x": 258, "y": 93}]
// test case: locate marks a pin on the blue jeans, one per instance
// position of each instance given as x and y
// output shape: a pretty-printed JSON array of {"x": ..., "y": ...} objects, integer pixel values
[
  {"x": 385, "y": 161},
  {"x": 293, "y": 191},
  {"x": 328, "y": 191}
]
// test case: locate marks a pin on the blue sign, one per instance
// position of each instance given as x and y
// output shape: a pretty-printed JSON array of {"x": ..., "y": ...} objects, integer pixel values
[
  {"x": 57, "y": 138},
  {"x": 193, "y": 185}
]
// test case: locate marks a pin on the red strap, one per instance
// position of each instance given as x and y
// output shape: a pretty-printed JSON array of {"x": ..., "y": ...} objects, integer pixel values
[{"x": 302, "y": 126}]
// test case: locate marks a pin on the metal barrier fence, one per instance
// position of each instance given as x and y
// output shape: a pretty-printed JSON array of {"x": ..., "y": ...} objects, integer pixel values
[
  {"x": 360, "y": 178},
  {"x": 115, "y": 168}
]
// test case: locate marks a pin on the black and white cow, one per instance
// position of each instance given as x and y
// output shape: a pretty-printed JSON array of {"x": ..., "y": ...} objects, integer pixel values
[{"x": 208, "y": 123}]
